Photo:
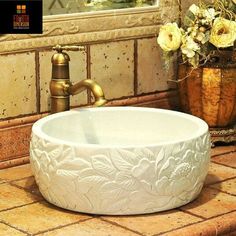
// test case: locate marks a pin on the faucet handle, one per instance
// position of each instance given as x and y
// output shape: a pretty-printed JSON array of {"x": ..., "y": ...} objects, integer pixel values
[{"x": 60, "y": 48}]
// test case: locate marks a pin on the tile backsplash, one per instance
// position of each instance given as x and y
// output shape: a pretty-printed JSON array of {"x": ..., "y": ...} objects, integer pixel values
[{"x": 123, "y": 69}]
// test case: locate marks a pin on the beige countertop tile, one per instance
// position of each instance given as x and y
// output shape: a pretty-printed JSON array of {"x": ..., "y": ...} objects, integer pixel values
[
  {"x": 39, "y": 217},
  {"x": 153, "y": 224},
  {"x": 11, "y": 197},
  {"x": 210, "y": 203},
  {"x": 93, "y": 227},
  {"x": 218, "y": 173},
  {"x": 6, "y": 230}
]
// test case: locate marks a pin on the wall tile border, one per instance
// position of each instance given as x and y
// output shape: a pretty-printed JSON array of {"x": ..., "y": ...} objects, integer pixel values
[{"x": 92, "y": 27}]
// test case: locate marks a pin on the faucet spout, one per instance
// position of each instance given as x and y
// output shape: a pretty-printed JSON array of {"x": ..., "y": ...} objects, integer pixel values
[
  {"x": 92, "y": 86},
  {"x": 60, "y": 86}
]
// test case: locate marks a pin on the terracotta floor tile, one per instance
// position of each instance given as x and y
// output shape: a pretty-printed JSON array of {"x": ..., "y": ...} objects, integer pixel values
[
  {"x": 93, "y": 227},
  {"x": 38, "y": 217},
  {"x": 211, "y": 203},
  {"x": 6, "y": 230},
  {"x": 17, "y": 172},
  {"x": 218, "y": 173},
  {"x": 11, "y": 196},
  {"x": 28, "y": 184},
  {"x": 155, "y": 223},
  {"x": 228, "y": 186},
  {"x": 221, "y": 225},
  {"x": 218, "y": 150},
  {"x": 226, "y": 159}
]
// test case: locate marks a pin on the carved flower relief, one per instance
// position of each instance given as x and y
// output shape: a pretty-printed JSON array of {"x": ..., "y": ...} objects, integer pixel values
[{"x": 164, "y": 176}]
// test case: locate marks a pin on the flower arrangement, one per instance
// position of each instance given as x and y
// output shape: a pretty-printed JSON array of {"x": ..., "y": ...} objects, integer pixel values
[{"x": 205, "y": 29}]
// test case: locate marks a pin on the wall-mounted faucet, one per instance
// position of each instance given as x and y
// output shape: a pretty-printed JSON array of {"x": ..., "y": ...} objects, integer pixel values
[{"x": 60, "y": 86}]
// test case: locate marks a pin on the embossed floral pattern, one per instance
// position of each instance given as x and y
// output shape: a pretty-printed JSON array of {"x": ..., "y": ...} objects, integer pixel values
[{"x": 120, "y": 181}]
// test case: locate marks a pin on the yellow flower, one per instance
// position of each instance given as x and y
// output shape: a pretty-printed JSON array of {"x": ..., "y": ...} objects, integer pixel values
[
  {"x": 223, "y": 33},
  {"x": 169, "y": 37}
]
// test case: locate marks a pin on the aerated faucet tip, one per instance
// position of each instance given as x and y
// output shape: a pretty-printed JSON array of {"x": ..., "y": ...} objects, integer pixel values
[{"x": 100, "y": 102}]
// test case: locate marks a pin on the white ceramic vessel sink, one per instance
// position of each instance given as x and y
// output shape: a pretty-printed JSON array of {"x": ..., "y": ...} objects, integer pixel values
[{"x": 120, "y": 160}]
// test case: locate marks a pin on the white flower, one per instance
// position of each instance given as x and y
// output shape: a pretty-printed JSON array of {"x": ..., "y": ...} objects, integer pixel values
[
  {"x": 189, "y": 47},
  {"x": 194, "y": 9},
  {"x": 169, "y": 37},
  {"x": 223, "y": 33}
]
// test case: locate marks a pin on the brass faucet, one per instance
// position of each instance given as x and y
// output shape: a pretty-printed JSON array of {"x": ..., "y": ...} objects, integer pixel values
[{"x": 60, "y": 86}]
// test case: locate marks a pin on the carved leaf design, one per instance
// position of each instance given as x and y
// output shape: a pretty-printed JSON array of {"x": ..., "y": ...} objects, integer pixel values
[
  {"x": 75, "y": 164},
  {"x": 89, "y": 182},
  {"x": 123, "y": 159},
  {"x": 103, "y": 165},
  {"x": 126, "y": 181}
]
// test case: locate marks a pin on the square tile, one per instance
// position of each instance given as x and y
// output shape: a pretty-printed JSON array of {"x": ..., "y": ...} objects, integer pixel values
[
  {"x": 12, "y": 197},
  {"x": 15, "y": 173},
  {"x": 93, "y": 227},
  {"x": 152, "y": 76},
  {"x": 112, "y": 66},
  {"x": 41, "y": 217},
  {"x": 226, "y": 159},
  {"x": 219, "y": 173},
  {"x": 228, "y": 186},
  {"x": 6, "y": 230},
  {"x": 78, "y": 71},
  {"x": 28, "y": 184},
  {"x": 211, "y": 202},
  {"x": 153, "y": 224},
  {"x": 17, "y": 85}
]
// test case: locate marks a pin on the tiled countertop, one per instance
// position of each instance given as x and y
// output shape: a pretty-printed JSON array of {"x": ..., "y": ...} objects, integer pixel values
[{"x": 23, "y": 211}]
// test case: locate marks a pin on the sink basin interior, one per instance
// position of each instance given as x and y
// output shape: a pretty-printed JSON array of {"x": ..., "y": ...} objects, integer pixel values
[{"x": 121, "y": 126}]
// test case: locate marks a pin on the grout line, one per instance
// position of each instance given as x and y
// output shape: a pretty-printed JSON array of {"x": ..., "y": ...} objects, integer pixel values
[
  {"x": 121, "y": 226},
  {"x": 221, "y": 154},
  {"x": 192, "y": 214},
  {"x": 223, "y": 164},
  {"x": 231, "y": 194},
  {"x": 25, "y": 189},
  {"x": 196, "y": 223},
  {"x": 14, "y": 227},
  {"x": 178, "y": 228},
  {"x": 88, "y": 67},
  {"x": 10, "y": 181},
  {"x": 135, "y": 67},
  {"x": 16, "y": 207},
  {"x": 37, "y": 74},
  {"x": 61, "y": 226},
  {"x": 221, "y": 181}
]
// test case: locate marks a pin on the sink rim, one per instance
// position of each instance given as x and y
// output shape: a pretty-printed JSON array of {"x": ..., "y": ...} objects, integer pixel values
[{"x": 37, "y": 127}]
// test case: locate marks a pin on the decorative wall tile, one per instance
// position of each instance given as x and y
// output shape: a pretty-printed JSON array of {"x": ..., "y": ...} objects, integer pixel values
[
  {"x": 78, "y": 71},
  {"x": 112, "y": 66},
  {"x": 152, "y": 76},
  {"x": 17, "y": 85},
  {"x": 14, "y": 142}
]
